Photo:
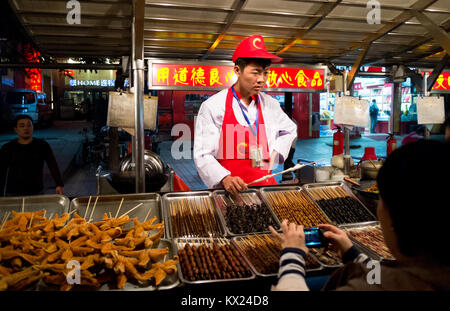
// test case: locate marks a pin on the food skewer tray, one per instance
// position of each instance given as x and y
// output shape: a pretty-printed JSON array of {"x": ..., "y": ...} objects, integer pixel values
[
  {"x": 307, "y": 187},
  {"x": 171, "y": 281},
  {"x": 197, "y": 242},
  {"x": 362, "y": 247},
  {"x": 151, "y": 206},
  {"x": 236, "y": 240},
  {"x": 263, "y": 191},
  {"x": 222, "y": 211},
  {"x": 51, "y": 203},
  {"x": 168, "y": 198}
]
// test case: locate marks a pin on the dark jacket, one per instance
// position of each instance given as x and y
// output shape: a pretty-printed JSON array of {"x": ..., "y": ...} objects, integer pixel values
[{"x": 21, "y": 167}]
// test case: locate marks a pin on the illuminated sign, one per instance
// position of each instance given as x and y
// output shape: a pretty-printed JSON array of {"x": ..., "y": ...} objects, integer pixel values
[
  {"x": 206, "y": 76},
  {"x": 33, "y": 74},
  {"x": 442, "y": 82},
  {"x": 101, "y": 83}
]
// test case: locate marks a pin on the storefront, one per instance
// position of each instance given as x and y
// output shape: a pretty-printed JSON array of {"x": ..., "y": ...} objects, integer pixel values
[{"x": 84, "y": 90}]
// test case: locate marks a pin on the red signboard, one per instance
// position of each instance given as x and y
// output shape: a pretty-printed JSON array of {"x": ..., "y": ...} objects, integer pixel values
[
  {"x": 205, "y": 76},
  {"x": 442, "y": 82}
]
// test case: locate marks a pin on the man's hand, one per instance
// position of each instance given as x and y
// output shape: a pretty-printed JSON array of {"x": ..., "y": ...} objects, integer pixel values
[
  {"x": 234, "y": 184},
  {"x": 293, "y": 236},
  {"x": 60, "y": 190},
  {"x": 338, "y": 238}
]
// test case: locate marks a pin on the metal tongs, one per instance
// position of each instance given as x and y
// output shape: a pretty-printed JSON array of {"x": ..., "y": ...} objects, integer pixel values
[{"x": 294, "y": 168}]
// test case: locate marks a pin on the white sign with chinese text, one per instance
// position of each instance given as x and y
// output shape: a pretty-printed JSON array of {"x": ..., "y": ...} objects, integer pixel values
[
  {"x": 351, "y": 111},
  {"x": 430, "y": 110},
  {"x": 121, "y": 111}
]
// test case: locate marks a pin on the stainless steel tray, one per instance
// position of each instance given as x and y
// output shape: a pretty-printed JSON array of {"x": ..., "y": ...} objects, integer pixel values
[
  {"x": 265, "y": 190},
  {"x": 364, "y": 248},
  {"x": 168, "y": 198},
  {"x": 171, "y": 281},
  {"x": 151, "y": 206},
  {"x": 236, "y": 241},
  {"x": 336, "y": 184},
  {"x": 197, "y": 242},
  {"x": 52, "y": 204},
  {"x": 222, "y": 210}
]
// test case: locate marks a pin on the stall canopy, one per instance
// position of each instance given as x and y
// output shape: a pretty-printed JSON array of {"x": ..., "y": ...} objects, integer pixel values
[{"x": 315, "y": 31}]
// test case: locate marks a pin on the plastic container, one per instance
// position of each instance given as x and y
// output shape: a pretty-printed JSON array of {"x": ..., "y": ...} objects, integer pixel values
[{"x": 369, "y": 154}]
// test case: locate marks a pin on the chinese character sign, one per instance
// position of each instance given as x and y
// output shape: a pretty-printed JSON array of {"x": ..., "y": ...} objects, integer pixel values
[
  {"x": 442, "y": 82},
  {"x": 177, "y": 75}
]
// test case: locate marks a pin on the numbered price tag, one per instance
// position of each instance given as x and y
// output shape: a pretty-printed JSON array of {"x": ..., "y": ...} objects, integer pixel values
[
  {"x": 430, "y": 110},
  {"x": 352, "y": 111}
]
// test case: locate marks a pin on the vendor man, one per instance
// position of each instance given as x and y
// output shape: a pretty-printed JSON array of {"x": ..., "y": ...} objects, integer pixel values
[{"x": 240, "y": 132}]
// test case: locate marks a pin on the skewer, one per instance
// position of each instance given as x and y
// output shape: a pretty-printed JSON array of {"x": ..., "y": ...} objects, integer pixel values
[
  {"x": 93, "y": 209},
  {"x": 148, "y": 213},
  {"x": 70, "y": 212},
  {"x": 6, "y": 216},
  {"x": 51, "y": 216},
  {"x": 45, "y": 212},
  {"x": 31, "y": 220},
  {"x": 120, "y": 206},
  {"x": 23, "y": 205},
  {"x": 139, "y": 205},
  {"x": 87, "y": 208}
]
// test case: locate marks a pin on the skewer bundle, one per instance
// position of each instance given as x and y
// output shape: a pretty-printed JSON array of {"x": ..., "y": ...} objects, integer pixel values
[
  {"x": 264, "y": 253},
  {"x": 245, "y": 213},
  {"x": 371, "y": 237},
  {"x": 339, "y": 205},
  {"x": 203, "y": 259},
  {"x": 189, "y": 218},
  {"x": 296, "y": 207}
]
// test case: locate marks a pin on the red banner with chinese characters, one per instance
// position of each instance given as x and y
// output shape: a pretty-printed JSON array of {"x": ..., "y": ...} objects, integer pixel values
[
  {"x": 442, "y": 82},
  {"x": 33, "y": 74},
  {"x": 180, "y": 75}
]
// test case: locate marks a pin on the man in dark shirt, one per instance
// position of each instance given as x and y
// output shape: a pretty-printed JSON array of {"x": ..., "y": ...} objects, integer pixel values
[{"x": 22, "y": 162}]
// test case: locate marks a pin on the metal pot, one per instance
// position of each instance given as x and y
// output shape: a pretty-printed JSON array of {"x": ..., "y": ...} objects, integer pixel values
[
  {"x": 369, "y": 169},
  {"x": 152, "y": 163}
]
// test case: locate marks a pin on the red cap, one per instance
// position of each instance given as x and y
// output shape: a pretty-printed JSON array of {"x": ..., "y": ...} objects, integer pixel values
[{"x": 254, "y": 47}]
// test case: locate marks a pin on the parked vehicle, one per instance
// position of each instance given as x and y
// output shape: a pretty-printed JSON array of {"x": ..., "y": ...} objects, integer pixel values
[
  {"x": 45, "y": 111},
  {"x": 19, "y": 101}
]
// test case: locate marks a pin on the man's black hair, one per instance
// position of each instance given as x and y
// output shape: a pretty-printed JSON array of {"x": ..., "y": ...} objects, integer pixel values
[
  {"x": 20, "y": 117},
  {"x": 414, "y": 184},
  {"x": 243, "y": 62}
]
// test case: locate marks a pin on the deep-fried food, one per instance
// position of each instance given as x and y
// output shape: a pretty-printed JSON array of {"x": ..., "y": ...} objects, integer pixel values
[{"x": 33, "y": 247}]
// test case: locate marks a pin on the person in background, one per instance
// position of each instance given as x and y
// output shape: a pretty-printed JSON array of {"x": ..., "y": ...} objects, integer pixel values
[
  {"x": 447, "y": 129},
  {"x": 373, "y": 112},
  {"x": 414, "y": 226},
  {"x": 414, "y": 136},
  {"x": 22, "y": 162}
]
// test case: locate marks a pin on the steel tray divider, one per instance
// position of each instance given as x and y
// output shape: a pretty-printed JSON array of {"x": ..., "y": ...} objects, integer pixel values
[
  {"x": 194, "y": 241},
  {"x": 216, "y": 197},
  {"x": 286, "y": 189},
  {"x": 334, "y": 184},
  {"x": 166, "y": 198}
]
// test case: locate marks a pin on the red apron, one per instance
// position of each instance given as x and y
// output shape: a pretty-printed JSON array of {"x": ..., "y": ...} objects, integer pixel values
[{"x": 235, "y": 143}]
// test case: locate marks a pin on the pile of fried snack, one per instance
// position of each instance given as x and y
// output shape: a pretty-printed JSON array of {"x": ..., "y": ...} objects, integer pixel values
[{"x": 34, "y": 248}]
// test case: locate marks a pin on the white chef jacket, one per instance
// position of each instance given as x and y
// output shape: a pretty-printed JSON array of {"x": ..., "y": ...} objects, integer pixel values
[{"x": 280, "y": 132}]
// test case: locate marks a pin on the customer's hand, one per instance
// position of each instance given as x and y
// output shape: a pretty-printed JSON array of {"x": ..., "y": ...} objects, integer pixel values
[
  {"x": 234, "y": 184},
  {"x": 339, "y": 239},
  {"x": 293, "y": 236},
  {"x": 60, "y": 190}
]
